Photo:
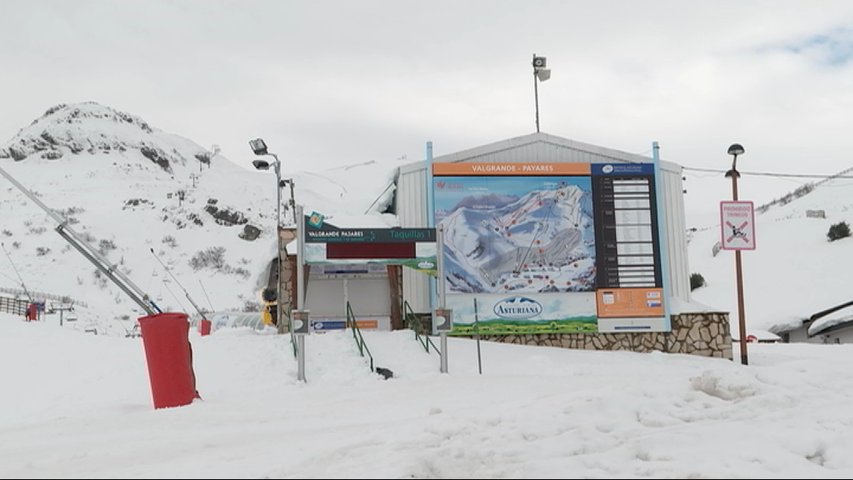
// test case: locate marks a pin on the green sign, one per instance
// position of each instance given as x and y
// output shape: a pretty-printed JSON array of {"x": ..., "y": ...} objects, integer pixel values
[{"x": 328, "y": 233}]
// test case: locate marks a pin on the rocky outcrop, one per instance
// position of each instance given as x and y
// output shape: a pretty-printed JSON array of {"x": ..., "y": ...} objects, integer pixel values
[{"x": 224, "y": 216}]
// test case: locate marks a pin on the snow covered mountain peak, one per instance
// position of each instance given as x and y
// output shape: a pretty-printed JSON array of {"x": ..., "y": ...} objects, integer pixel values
[{"x": 90, "y": 128}]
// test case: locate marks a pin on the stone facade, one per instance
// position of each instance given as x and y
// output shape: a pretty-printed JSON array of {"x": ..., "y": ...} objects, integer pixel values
[
  {"x": 288, "y": 289},
  {"x": 704, "y": 334}
]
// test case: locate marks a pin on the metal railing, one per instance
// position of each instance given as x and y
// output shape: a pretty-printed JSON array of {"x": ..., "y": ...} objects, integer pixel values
[
  {"x": 13, "y": 306},
  {"x": 411, "y": 320},
  {"x": 43, "y": 296},
  {"x": 356, "y": 334}
]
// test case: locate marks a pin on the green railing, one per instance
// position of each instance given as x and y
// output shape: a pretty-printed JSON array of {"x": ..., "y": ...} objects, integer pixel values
[
  {"x": 412, "y": 323},
  {"x": 356, "y": 334}
]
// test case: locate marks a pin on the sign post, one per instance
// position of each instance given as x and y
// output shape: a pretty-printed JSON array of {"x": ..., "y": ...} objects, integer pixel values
[
  {"x": 444, "y": 326},
  {"x": 738, "y": 225},
  {"x": 737, "y": 222}
]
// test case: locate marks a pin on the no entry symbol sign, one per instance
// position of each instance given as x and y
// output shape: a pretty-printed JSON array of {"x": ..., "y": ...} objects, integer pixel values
[{"x": 737, "y": 220}]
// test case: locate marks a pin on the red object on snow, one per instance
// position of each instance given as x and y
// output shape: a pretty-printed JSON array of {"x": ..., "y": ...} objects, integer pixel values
[
  {"x": 204, "y": 327},
  {"x": 169, "y": 356},
  {"x": 32, "y": 312},
  {"x": 751, "y": 338}
]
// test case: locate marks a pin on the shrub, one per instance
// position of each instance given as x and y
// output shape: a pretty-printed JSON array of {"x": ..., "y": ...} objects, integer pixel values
[
  {"x": 696, "y": 281},
  {"x": 106, "y": 245},
  {"x": 838, "y": 231},
  {"x": 251, "y": 306},
  {"x": 170, "y": 241},
  {"x": 213, "y": 257}
]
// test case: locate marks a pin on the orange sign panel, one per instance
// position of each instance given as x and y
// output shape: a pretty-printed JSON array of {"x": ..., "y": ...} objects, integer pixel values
[
  {"x": 630, "y": 302},
  {"x": 518, "y": 169}
]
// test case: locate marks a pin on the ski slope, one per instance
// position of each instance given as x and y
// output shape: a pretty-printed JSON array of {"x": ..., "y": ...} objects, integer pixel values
[{"x": 78, "y": 405}]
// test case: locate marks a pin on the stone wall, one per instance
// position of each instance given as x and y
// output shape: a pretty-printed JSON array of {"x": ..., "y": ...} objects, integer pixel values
[
  {"x": 288, "y": 289},
  {"x": 705, "y": 334}
]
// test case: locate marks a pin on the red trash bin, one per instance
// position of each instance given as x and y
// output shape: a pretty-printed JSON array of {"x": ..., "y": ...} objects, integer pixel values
[
  {"x": 169, "y": 356},
  {"x": 204, "y": 327}
]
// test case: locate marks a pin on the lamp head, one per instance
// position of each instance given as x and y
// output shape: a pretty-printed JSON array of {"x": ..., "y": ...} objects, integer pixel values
[
  {"x": 261, "y": 164},
  {"x": 543, "y": 74},
  {"x": 258, "y": 146},
  {"x": 736, "y": 149}
]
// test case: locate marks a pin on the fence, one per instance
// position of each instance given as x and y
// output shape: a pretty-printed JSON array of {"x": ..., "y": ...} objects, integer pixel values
[
  {"x": 42, "y": 296},
  {"x": 13, "y": 306}
]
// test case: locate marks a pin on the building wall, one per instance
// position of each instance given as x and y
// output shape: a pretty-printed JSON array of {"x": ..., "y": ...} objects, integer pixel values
[
  {"x": 412, "y": 212},
  {"x": 841, "y": 336},
  {"x": 800, "y": 335},
  {"x": 702, "y": 334}
]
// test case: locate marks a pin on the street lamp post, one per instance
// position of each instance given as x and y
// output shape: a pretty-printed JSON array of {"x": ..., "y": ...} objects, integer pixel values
[
  {"x": 540, "y": 74},
  {"x": 734, "y": 150},
  {"x": 259, "y": 147}
]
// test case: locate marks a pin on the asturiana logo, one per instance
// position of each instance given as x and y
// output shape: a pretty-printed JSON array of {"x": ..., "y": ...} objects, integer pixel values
[{"x": 518, "y": 308}]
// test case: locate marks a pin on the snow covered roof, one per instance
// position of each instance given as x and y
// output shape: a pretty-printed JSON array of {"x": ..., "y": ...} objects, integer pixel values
[
  {"x": 760, "y": 335},
  {"x": 541, "y": 147},
  {"x": 830, "y": 323}
]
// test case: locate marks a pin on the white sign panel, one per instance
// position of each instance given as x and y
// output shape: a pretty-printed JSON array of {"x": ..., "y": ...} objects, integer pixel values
[{"x": 737, "y": 221}]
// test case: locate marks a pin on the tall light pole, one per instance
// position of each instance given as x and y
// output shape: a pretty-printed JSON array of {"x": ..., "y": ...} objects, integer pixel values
[
  {"x": 734, "y": 150},
  {"x": 540, "y": 74},
  {"x": 259, "y": 147}
]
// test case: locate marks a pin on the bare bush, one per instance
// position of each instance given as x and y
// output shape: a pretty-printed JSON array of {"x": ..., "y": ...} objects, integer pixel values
[
  {"x": 213, "y": 257},
  {"x": 170, "y": 241}
]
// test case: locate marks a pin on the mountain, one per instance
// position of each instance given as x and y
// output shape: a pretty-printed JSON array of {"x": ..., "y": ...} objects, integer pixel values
[
  {"x": 128, "y": 187},
  {"x": 795, "y": 270}
]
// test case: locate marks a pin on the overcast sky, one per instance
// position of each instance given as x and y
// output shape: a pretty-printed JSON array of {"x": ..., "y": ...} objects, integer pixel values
[{"x": 329, "y": 83}]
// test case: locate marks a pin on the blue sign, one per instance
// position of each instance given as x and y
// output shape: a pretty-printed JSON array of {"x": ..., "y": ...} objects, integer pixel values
[
  {"x": 622, "y": 168},
  {"x": 328, "y": 325}
]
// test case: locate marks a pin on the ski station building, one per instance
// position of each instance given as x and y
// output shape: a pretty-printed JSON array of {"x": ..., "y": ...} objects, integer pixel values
[{"x": 547, "y": 241}]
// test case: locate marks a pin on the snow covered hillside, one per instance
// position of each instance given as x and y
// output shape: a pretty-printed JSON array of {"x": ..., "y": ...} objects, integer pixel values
[
  {"x": 536, "y": 412},
  {"x": 795, "y": 270},
  {"x": 128, "y": 187}
]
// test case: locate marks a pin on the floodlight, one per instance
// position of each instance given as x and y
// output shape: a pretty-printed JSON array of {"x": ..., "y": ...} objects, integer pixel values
[
  {"x": 261, "y": 164},
  {"x": 258, "y": 146}
]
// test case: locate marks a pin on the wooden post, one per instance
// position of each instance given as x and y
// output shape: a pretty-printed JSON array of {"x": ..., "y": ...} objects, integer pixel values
[{"x": 394, "y": 272}]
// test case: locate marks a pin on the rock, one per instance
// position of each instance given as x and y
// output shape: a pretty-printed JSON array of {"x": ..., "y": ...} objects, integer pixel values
[{"x": 250, "y": 232}]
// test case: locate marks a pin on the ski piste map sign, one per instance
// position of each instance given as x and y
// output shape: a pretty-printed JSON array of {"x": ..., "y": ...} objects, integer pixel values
[
  {"x": 738, "y": 225},
  {"x": 550, "y": 247},
  {"x": 326, "y": 243}
]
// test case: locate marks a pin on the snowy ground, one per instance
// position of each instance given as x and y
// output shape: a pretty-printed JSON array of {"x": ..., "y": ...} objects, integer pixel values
[{"x": 79, "y": 405}]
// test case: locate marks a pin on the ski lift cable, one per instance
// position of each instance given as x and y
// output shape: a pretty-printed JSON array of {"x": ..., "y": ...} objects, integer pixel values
[
  {"x": 200, "y": 312},
  {"x": 173, "y": 295},
  {"x": 206, "y": 296}
]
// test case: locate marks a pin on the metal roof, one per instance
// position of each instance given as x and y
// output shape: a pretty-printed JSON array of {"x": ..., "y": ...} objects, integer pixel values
[{"x": 546, "y": 148}]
